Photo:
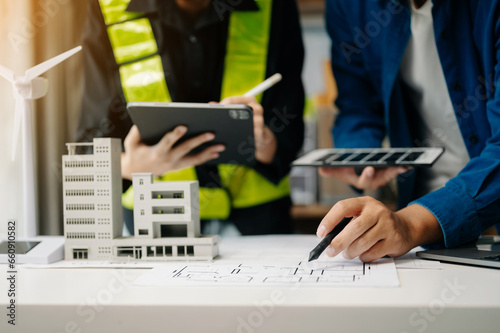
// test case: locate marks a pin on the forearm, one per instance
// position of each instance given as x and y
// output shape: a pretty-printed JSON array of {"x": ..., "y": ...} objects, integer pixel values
[
  {"x": 266, "y": 150},
  {"x": 126, "y": 172},
  {"x": 284, "y": 137}
]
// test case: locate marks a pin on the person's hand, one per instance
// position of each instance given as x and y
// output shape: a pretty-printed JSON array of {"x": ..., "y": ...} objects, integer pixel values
[
  {"x": 376, "y": 231},
  {"x": 265, "y": 140},
  {"x": 163, "y": 157},
  {"x": 370, "y": 179}
]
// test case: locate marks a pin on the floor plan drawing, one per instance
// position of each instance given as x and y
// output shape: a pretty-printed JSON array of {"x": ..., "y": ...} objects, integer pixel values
[{"x": 334, "y": 272}]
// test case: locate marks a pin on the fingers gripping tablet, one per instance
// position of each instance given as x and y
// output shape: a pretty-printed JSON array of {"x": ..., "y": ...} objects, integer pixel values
[{"x": 232, "y": 126}]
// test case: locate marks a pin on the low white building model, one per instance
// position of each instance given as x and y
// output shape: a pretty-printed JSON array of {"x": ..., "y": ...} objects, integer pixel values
[{"x": 166, "y": 214}]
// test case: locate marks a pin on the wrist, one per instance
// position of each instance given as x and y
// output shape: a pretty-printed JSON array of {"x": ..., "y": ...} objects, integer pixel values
[
  {"x": 267, "y": 147},
  {"x": 423, "y": 226},
  {"x": 126, "y": 174}
]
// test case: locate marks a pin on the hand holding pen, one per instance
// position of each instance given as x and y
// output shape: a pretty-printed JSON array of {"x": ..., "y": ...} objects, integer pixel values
[
  {"x": 265, "y": 140},
  {"x": 325, "y": 242}
]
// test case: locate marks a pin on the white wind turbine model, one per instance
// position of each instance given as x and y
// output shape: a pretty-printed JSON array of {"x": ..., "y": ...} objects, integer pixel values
[{"x": 26, "y": 89}]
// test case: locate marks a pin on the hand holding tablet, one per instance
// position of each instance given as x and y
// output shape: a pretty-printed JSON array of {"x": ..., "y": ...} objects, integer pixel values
[
  {"x": 163, "y": 157},
  {"x": 378, "y": 166},
  {"x": 225, "y": 132},
  {"x": 265, "y": 140},
  {"x": 230, "y": 125}
]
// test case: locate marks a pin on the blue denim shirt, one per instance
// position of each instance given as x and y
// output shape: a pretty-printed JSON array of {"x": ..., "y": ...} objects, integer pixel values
[{"x": 369, "y": 38}]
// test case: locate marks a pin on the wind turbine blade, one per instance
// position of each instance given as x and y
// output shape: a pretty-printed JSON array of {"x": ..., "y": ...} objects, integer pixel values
[
  {"x": 38, "y": 70},
  {"x": 7, "y": 74},
  {"x": 17, "y": 124}
]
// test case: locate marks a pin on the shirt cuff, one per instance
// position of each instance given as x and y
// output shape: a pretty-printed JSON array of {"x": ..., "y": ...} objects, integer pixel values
[{"x": 456, "y": 214}]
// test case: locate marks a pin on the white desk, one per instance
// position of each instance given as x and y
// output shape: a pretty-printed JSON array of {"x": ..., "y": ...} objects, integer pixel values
[{"x": 102, "y": 300}]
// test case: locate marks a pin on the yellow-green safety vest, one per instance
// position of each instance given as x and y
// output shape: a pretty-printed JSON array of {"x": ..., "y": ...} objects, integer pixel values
[{"x": 143, "y": 80}]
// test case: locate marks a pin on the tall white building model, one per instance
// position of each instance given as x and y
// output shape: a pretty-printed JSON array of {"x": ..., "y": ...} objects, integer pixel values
[
  {"x": 92, "y": 190},
  {"x": 166, "y": 214}
]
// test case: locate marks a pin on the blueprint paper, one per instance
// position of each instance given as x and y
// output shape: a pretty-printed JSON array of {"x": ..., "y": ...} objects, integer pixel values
[
  {"x": 336, "y": 272},
  {"x": 273, "y": 261}
]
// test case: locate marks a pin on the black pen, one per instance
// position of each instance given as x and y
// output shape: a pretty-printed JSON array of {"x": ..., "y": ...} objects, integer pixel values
[{"x": 316, "y": 252}]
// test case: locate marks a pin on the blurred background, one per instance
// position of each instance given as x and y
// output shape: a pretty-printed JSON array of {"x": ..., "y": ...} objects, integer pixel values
[{"x": 32, "y": 31}]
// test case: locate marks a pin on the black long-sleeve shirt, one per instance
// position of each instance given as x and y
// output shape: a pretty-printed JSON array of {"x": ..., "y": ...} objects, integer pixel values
[{"x": 192, "y": 54}]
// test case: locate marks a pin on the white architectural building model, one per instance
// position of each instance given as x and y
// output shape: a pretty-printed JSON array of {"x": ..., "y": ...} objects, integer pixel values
[
  {"x": 92, "y": 190},
  {"x": 166, "y": 214}
]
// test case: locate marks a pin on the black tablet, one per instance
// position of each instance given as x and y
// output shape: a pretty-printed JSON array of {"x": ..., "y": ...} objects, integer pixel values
[
  {"x": 231, "y": 124},
  {"x": 377, "y": 157}
]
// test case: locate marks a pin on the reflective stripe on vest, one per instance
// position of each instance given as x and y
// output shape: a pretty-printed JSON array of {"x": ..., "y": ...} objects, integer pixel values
[{"x": 142, "y": 78}]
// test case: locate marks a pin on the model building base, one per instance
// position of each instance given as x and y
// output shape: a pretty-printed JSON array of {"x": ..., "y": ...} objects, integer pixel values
[
  {"x": 137, "y": 249},
  {"x": 166, "y": 249}
]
